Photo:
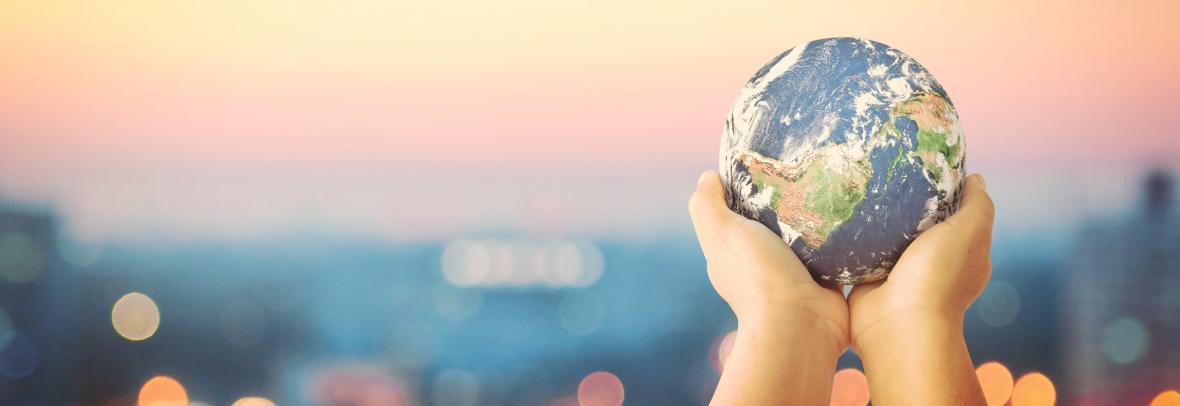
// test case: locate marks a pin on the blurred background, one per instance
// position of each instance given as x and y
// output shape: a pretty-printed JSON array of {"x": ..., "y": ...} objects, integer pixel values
[{"x": 484, "y": 203}]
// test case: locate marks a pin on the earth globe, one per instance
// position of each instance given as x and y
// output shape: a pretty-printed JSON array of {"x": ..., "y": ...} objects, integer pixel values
[{"x": 848, "y": 149}]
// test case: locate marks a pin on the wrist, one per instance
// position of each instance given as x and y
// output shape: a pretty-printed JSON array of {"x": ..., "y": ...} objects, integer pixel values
[
  {"x": 796, "y": 325},
  {"x": 899, "y": 327},
  {"x": 782, "y": 357},
  {"x": 918, "y": 358}
]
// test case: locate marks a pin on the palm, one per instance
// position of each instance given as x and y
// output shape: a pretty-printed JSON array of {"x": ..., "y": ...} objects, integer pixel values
[
  {"x": 941, "y": 272},
  {"x": 755, "y": 272},
  {"x": 757, "y": 264},
  {"x": 830, "y": 305}
]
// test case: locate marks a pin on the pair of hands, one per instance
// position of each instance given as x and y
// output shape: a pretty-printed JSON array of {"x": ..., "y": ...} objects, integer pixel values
[{"x": 908, "y": 326}]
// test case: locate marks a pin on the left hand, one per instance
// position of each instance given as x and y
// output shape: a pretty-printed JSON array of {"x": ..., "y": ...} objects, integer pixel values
[{"x": 758, "y": 274}]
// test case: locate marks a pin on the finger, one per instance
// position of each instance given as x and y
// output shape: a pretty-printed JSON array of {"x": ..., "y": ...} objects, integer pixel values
[
  {"x": 723, "y": 232},
  {"x": 710, "y": 215},
  {"x": 976, "y": 210}
]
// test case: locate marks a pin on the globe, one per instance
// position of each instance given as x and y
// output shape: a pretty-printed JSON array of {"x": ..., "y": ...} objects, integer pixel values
[{"x": 848, "y": 149}]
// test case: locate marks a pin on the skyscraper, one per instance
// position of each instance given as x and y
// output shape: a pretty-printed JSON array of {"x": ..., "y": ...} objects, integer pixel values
[
  {"x": 35, "y": 310},
  {"x": 1120, "y": 306}
]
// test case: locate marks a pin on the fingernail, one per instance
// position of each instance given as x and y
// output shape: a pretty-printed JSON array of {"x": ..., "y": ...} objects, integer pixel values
[
  {"x": 982, "y": 181},
  {"x": 701, "y": 180}
]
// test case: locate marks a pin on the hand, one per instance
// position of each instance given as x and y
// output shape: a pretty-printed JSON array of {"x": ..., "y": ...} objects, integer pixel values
[
  {"x": 756, "y": 272},
  {"x": 941, "y": 273},
  {"x": 908, "y": 329},
  {"x": 790, "y": 331}
]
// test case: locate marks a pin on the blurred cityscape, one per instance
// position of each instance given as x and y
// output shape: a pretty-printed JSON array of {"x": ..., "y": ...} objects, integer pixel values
[
  {"x": 268, "y": 202},
  {"x": 510, "y": 320}
]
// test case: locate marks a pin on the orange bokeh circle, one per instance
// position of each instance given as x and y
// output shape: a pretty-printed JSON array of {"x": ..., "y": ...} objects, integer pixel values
[{"x": 162, "y": 391}]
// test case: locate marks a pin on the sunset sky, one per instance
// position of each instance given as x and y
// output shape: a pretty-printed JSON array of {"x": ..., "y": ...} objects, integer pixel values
[{"x": 223, "y": 119}]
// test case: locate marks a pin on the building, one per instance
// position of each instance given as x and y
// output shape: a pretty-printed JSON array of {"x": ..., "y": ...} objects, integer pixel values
[
  {"x": 36, "y": 313},
  {"x": 1120, "y": 329}
]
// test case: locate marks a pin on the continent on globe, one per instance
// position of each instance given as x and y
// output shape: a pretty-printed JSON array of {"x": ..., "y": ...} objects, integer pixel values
[{"x": 848, "y": 149}]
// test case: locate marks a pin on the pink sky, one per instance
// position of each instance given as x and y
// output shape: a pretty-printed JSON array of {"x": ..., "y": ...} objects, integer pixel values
[{"x": 227, "y": 118}]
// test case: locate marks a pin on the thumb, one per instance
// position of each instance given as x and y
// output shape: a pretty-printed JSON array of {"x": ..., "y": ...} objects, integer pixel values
[
  {"x": 710, "y": 215},
  {"x": 976, "y": 210}
]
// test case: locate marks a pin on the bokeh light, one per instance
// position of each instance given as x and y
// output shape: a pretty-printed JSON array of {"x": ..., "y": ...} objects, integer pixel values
[
  {"x": 578, "y": 264},
  {"x": 135, "y": 316},
  {"x": 581, "y": 313},
  {"x": 522, "y": 270},
  {"x": 465, "y": 263},
  {"x": 254, "y": 401},
  {"x": 996, "y": 381},
  {"x": 455, "y": 387},
  {"x": 486, "y": 200},
  {"x": 493, "y": 263},
  {"x": 355, "y": 384},
  {"x": 721, "y": 349},
  {"x": 850, "y": 387},
  {"x": 999, "y": 304},
  {"x": 1166, "y": 398},
  {"x": 22, "y": 259},
  {"x": 600, "y": 389},
  {"x": 1034, "y": 389},
  {"x": 503, "y": 264},
  {"x": 19, "y": 354},
  {"x": 1125, "y": 340},
  {"x": 163, "y": 391}
]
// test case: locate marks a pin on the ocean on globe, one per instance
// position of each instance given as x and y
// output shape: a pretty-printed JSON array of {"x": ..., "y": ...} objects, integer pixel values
[{"x": 848, "y": 149}]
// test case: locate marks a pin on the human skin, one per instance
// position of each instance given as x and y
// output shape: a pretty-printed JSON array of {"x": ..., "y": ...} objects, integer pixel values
[
  {"x": 791, "y": 330},
  {"x": 908, "y": 329}
]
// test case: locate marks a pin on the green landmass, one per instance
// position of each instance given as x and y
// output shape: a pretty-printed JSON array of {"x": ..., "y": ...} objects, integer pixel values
[
  {"x": 926, "y": 110},
  {"x": 765, "y": 182},
  {"x": 816, "y": 197},
  {"x": 833, "y": 195}
]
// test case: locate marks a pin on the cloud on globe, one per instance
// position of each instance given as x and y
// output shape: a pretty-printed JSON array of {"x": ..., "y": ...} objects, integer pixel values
[{"x": 847, "y": 148}]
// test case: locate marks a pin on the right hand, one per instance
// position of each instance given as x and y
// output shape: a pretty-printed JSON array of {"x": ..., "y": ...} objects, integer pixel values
[{"x": 938, "y": 276}]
